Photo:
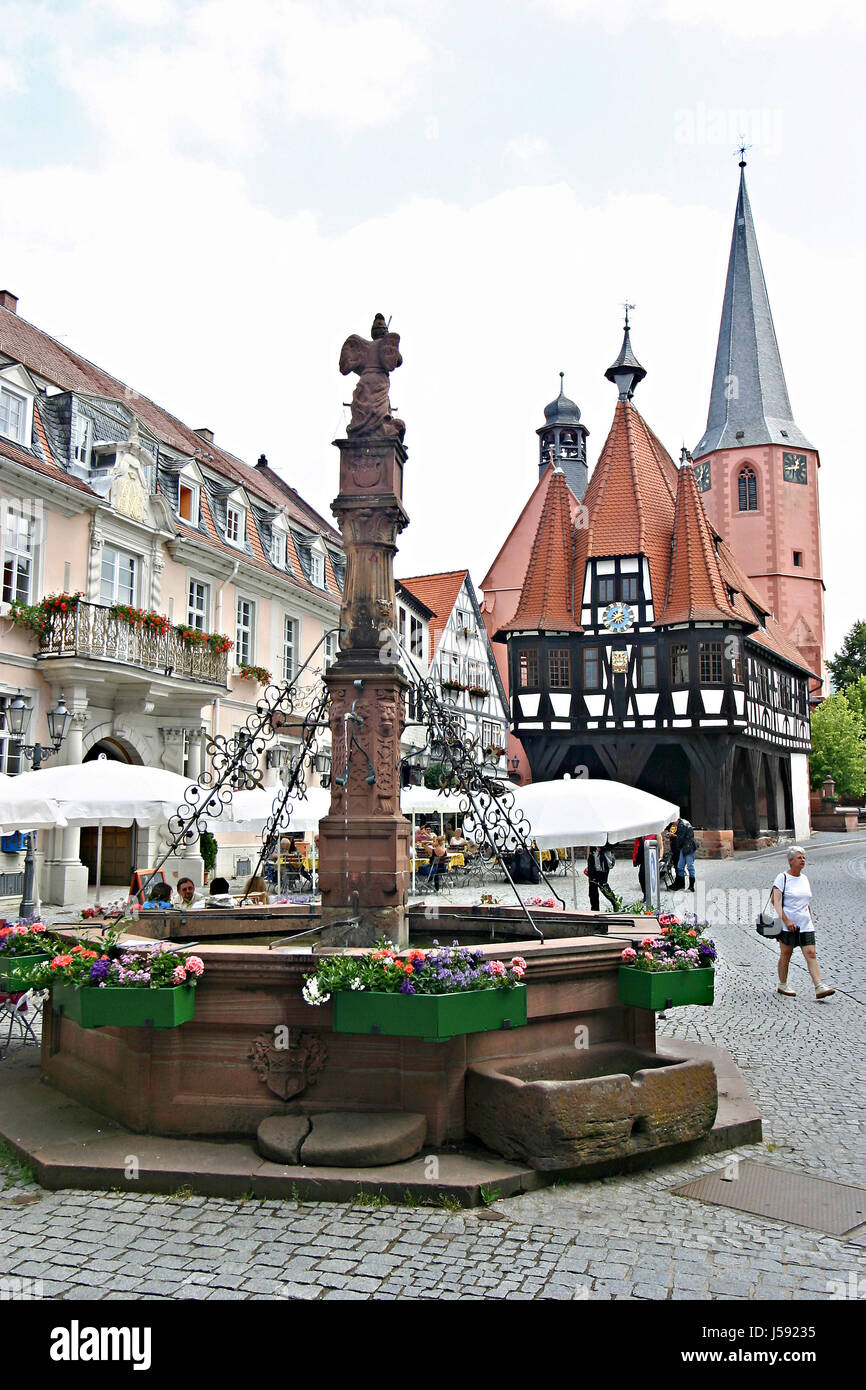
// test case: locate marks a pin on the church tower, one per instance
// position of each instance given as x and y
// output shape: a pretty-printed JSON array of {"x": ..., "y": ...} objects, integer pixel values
[
  {"x": 756, "y": 470},
  {"x": 562, "y": 441}
]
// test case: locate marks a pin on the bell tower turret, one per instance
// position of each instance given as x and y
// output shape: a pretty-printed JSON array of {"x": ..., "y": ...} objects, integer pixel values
[{"x": 562, "y": 441}]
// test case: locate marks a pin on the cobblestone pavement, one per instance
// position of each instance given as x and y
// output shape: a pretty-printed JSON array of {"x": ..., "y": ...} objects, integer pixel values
[{"x": 620, "y": 1238}]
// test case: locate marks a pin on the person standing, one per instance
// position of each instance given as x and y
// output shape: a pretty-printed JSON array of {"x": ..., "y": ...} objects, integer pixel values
[
  {"x": 792, "y": 898},
  {"x": 599, "y": 862},
  {"x": 683, "y": 846}
]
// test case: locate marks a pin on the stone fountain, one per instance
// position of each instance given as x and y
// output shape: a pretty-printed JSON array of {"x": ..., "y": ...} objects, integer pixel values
[{"x": 580, "y": 1088}]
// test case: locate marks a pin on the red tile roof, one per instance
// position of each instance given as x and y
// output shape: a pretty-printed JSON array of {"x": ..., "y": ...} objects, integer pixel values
[
  {"x": 545, "y": 600},
  {"x": 630, "y": 499},
  {"x": 48, "y": 358},
  {"x": 439, "y": 592},
  {"x": 696, "y": 591}
]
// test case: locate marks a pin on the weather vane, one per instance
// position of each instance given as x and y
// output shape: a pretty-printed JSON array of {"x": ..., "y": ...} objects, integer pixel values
[
  {"x": 627, "y": 306},
  {"x": 741, "y": 151}
]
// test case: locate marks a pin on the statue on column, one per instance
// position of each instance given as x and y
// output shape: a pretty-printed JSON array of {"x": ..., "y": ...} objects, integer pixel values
[{"x": 373, "y": 359}]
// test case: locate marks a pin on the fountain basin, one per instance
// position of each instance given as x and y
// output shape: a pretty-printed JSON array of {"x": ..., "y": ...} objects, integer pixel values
[{"x": 574, "y": 1108}]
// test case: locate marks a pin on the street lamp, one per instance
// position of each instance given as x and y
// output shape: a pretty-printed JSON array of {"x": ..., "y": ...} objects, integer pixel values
[{"x": 19, "y": 715}]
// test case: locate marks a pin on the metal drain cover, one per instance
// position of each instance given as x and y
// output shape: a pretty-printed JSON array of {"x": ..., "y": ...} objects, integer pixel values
[{"x": 781, "y": 1195}]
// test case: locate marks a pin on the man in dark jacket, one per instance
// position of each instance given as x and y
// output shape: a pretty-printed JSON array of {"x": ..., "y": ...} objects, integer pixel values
[{"x": 683, "y": 846}]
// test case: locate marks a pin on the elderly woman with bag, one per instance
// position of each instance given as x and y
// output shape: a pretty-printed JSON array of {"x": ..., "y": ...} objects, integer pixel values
[{"x": 792, "y": 896}]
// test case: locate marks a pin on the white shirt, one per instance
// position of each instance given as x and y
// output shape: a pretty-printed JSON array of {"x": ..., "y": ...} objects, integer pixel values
[{"x": 798, "y": 895}]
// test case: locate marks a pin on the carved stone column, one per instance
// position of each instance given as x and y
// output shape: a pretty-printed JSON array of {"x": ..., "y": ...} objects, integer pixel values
[{"x": 364, "y": 841}]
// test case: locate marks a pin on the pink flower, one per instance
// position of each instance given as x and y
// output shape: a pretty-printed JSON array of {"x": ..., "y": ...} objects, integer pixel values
[
  {"x": 517, "y": 972},
  {"x": 519, "y": 962},
  {"x": 648, "y": 941},
  {"x": 194, "y": 964},
  {"x": 178, "y": 975},
  {"x": 497, "y": 968},
  {"x": 629, "y": 955}
]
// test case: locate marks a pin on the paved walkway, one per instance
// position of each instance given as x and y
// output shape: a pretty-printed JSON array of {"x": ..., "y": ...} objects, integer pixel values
[{"x": 624, "y": 1237}]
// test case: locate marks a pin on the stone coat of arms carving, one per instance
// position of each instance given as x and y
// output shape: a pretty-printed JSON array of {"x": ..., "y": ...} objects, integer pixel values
[{"x": 288, "y": 1060}]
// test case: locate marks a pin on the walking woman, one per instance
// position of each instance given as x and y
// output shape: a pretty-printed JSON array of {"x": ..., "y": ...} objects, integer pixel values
[{"x": 792, "y": 895}]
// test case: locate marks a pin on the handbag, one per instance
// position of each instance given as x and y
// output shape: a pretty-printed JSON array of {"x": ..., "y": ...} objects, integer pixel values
[{"x": 775, "y": 927}]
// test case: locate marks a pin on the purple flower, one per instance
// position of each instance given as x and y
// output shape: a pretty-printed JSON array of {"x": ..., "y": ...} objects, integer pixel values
[
  {"x": 407, "y": 987},
  {"x": 99, "y": 970}
]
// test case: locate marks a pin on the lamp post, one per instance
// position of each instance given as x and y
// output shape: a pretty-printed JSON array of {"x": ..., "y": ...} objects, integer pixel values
[{"x": 19, "y": 715}]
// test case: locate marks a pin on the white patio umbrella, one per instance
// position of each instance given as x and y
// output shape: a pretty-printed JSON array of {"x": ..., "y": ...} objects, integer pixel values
[
  {"x": 579, "y": 811},
  {"x": 106, "y": 792},
  {"x": 25, "y": 811},
  {"x": 250, "y": 811}
]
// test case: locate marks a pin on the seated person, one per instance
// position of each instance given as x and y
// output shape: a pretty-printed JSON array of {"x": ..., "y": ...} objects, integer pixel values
[
  {"x": 458, "y": 840},
  {"x": 189, "y": 894},
  {"x": 256, "y": 892},
  {"x": 219, "y": 894},
  {"x": 438, "y": 863},
  {"x": 158, "y": 896}
]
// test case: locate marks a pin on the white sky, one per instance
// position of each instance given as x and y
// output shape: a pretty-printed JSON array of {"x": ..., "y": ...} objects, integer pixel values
[{"x": 206, "y": 198}]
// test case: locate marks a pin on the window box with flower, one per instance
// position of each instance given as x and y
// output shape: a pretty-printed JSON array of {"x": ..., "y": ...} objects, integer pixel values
[
  {"x": 21, "y": 949},
  {"x": 478, "y": 692},
  {"x": 672, "y": 968},
  {"x": 433, "y": 995},
  {"x": 121, "y": 987},
  {"x": 453, "y": 685},
  {"x": 247, "y": 672}
]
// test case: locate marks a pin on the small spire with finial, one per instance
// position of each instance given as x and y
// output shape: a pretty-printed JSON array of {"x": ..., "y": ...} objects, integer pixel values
[
  {"x": 562, "y": 383},
  {"x": 741, "y": 151},
  {"x": 685, "y": 456},
  {"x": 626, "y": 371},
  {"x": 626, "y": 306}
]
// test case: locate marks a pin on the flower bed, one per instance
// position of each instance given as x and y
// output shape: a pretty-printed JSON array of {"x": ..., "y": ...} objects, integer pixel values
[
  {"x": 674, "y": 967},
  {"x": 433, "y": 995}
]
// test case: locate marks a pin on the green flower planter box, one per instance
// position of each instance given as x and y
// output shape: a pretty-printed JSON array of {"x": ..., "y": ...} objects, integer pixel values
[
  {"x": 116, "y": 1006},
  {"x": 433, "y": 1017},
  {"x": 665, "y": 989},
  {"x": 13, "y": 967}
]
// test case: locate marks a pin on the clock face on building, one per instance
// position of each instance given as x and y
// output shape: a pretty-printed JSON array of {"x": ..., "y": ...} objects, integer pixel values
[
  {"x": 794, "y": 468},
  {"x": 702, "y": 475},
  {"x": 617, "y": 617}
]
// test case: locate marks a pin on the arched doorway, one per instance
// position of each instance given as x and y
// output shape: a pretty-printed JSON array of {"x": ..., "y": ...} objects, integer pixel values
[{"x": 118, "y": 841}]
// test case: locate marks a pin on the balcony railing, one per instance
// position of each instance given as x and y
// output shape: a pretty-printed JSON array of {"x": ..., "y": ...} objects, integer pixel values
[{"x": 91, "y": 631}]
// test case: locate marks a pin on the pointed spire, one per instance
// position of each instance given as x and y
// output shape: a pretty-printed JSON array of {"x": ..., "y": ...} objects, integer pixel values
[
  {"x": 626, "y": 372},
  {"x": 749, "y": 402},
  {"x": 696, "y": 589},
  {"x": 546, "y": 598}
]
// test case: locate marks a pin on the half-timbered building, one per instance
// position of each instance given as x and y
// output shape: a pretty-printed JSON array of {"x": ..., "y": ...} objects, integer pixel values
[{"x": 640, "y": 649}]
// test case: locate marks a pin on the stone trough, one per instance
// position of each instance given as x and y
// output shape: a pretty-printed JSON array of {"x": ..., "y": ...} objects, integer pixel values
[{"x": 574, "y": 1108}]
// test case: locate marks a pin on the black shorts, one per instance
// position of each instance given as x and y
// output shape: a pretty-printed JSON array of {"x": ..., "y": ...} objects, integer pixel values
[{"x": 796, "y": 938}]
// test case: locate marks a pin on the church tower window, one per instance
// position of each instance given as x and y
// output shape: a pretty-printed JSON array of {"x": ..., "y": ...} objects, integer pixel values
[{"x": 747, "y": 490}]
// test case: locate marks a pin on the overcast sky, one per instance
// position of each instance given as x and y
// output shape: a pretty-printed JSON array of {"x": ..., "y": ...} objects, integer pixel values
[{"x": 207, "y": 197}]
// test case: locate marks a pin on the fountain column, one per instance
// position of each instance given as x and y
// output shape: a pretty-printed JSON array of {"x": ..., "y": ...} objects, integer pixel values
[{"x": 364, "y": 841}]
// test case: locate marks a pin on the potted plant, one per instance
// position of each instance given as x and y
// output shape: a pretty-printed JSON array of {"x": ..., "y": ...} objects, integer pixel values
[
  {"x": 207, "y": 848},
  {"x": 432, "y": 995},
  {"x": 669, "y": 969},
  {"x": 453, "y": 685},
  {"x": 478, "y": 692},
  {"x": 121, "y": 987},
  {"x": 21, "y": 948}
]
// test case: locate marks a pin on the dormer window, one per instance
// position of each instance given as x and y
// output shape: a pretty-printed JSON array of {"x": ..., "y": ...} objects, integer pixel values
[
  {"x": 82, "y": 434},
  {"x": 13, "y": 413},
  {"x": 279, "y": 549},
  {"x": 236, "y": 524},
  {"x": 188, "y": 502},
  {"x": 317, "y": 569}
]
